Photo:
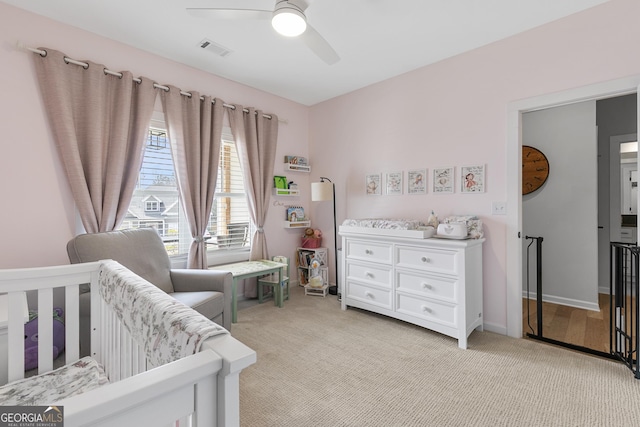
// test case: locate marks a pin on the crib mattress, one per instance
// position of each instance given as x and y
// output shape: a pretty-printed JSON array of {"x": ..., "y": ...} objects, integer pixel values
[{"x": 70, "y": 380}]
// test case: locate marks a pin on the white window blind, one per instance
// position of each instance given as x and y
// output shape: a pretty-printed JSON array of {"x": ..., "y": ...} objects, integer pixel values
[
  {"x": 229, "y": 225},
  {"x": 156, "y": 201}
]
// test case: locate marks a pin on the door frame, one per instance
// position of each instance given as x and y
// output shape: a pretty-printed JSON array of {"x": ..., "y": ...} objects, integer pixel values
[
  {"x": 613, "y": 227},
  {"x": 613, "y": 88}
]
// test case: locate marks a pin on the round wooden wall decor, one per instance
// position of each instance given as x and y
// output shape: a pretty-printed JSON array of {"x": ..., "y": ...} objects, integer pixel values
[{"x": 535, "y": 169}]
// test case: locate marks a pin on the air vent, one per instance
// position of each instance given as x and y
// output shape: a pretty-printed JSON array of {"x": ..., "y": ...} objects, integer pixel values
[{"x": 213, "y": 47}]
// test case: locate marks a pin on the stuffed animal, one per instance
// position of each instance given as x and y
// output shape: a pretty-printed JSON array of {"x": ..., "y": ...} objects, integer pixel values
[
  {"x": 315, "y": 280},
  {"x": 31, "y": 338}
]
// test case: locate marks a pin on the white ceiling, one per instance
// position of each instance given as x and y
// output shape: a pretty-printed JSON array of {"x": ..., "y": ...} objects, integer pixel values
[{"x": 376, "y": 39}]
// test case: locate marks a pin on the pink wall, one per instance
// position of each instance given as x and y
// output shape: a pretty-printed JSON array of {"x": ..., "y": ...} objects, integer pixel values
[
  {"x": 38, "y": 214},
  {"x": 454, "y": 113}
]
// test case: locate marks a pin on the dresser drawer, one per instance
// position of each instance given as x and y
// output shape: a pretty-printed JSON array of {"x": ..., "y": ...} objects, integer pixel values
[
  {"x": 376, "y": 274},
  {"x": 428, "y": 310},
  {"x": 427, "y": 285},
  {"x": 428, "y": 259},
  {"x": 375, "y": 252},
  {"x": 378, "y": 297}
]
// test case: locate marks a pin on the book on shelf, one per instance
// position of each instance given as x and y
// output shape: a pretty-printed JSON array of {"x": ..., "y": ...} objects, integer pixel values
[
  {"x": 305, "y": 258},
  {"x": 295, "y": 160},
  {"x": 303, "y": 275},
  {"x": 295, "y": 213}
]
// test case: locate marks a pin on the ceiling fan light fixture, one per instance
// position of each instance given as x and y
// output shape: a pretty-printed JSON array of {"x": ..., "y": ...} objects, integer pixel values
[{"x": 288, "y": 19}]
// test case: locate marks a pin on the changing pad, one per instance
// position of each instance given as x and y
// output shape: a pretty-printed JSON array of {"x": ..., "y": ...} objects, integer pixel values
[
  {"x": 385, "y": 223},
  {"x": 44, "y": 389},
  {"x": 411, "y": 228}
]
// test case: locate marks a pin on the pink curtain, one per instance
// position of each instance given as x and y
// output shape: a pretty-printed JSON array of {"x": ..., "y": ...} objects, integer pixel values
[
  {"x": 195, "y": 132},
  {"x": 99, "y": 122},
  {"x": 256, "y": 138}
]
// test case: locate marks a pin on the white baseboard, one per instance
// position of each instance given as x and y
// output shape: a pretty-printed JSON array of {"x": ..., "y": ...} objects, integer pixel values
[
  {"x": 586, "y": 305},
  {"x": 495, "y": 328}
]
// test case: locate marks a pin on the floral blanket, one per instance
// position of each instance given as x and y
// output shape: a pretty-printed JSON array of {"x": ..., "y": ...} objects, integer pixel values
[
  {"x": 70, "y": 380},
  {"x": 168, "y": 329}
]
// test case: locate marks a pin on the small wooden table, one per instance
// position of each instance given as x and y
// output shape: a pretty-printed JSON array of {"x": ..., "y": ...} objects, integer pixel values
[{"x": 246, "y": 269}]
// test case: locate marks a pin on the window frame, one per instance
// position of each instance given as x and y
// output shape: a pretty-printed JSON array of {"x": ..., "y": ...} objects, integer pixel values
[{"x": 215, "y": 256}]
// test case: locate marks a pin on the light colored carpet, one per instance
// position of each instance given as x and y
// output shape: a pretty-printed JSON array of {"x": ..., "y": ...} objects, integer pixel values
[{"x": 321, "y": 366}]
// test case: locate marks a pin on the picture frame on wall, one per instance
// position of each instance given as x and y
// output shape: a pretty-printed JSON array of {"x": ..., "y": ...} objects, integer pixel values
[
  {"x": 417, "y": 181},
  {"x": 394, "y": 183},
  {"x": 472, "y": 179},
  {"x": 373, "y": 184},
  {"x": 443, "y": 180}
]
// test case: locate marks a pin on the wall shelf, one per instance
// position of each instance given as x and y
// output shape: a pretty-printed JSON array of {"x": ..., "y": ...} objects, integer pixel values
[
  {"x": 298, "y": 168},
  {"x": 285, "y": 192},
  {"x": 297, "y": 224}
]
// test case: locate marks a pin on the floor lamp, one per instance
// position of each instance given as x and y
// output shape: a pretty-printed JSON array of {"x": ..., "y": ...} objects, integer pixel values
[{"x": 324, "y": 191}]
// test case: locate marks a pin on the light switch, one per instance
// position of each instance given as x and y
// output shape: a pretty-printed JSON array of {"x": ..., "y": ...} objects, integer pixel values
[{"x": 498, "y": 208}]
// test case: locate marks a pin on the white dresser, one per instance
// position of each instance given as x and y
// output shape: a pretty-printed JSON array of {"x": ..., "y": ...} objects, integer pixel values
[{"x": 433, "y": 283}]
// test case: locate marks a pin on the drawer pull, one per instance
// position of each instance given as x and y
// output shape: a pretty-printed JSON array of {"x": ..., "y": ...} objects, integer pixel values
[
  {"x": 426, "y": 286},
  {"x": 368, "y": 251},
  {"x": 425, "y": 259},
  {"x": 368, "y": 294},
  {"x": 426, "y": 309},
  {"x": 369, "y": 275}
]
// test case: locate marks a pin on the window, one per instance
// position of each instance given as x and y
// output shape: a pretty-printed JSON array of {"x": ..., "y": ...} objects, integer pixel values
[
  {"x": 156, "y": 201},
  {"x": 151, "y": 204},
  {"x": 229, "y": 225}
]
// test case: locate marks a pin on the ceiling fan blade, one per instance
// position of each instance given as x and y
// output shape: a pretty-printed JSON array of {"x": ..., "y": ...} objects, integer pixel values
[
  {"x": 229, "y": 14},
  {"x": 319, "y": 45}
]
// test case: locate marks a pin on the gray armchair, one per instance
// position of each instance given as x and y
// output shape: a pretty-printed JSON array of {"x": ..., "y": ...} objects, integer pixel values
[{"x": 142, "y": 251}]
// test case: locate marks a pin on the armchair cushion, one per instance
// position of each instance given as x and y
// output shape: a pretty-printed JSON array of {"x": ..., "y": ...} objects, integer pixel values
[
  {"x": 206, "y": 291},
  {"x": 209, "y": 304}
]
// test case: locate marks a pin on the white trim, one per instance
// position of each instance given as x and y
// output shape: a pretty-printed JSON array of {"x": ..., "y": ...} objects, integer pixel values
[
  {"x": 595, "y": 91},
  {"x": 570, "y": 302},
  {"x": 496, "y": 329}
]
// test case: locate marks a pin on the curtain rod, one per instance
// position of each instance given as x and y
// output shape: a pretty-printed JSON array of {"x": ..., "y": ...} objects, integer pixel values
[{"x": 84, "y": 65}]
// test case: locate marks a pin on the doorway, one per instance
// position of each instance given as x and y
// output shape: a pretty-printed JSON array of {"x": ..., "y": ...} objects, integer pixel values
[
  {"x": 560, "y": 219},
  {"x": 515, "y": 235},
  {"x": 598, "y": 167}
]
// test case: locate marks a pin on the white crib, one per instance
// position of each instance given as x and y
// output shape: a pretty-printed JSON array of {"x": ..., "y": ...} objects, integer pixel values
[{"x": 200, "y": 388}]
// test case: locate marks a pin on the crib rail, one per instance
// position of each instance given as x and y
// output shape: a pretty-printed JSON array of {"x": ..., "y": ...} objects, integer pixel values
[
  {"x": 121, "y": 356},
  {"x": 183, "y": 390},
  {"x": 43, "y": 280},
  {"x": 197, "y": 390}
]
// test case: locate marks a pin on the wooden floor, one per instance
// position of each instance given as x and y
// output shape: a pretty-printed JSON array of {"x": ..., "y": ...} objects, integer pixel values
[{"x": 571, "y": 325}]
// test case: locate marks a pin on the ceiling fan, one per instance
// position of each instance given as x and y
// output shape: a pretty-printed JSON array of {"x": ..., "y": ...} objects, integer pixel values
[{"x": 287, "y": 18}]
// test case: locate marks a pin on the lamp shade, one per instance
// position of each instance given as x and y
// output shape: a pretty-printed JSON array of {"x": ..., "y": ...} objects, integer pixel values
[
  {"x": 288, "y": 19},
  {"x": 321, "y": 191}
]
